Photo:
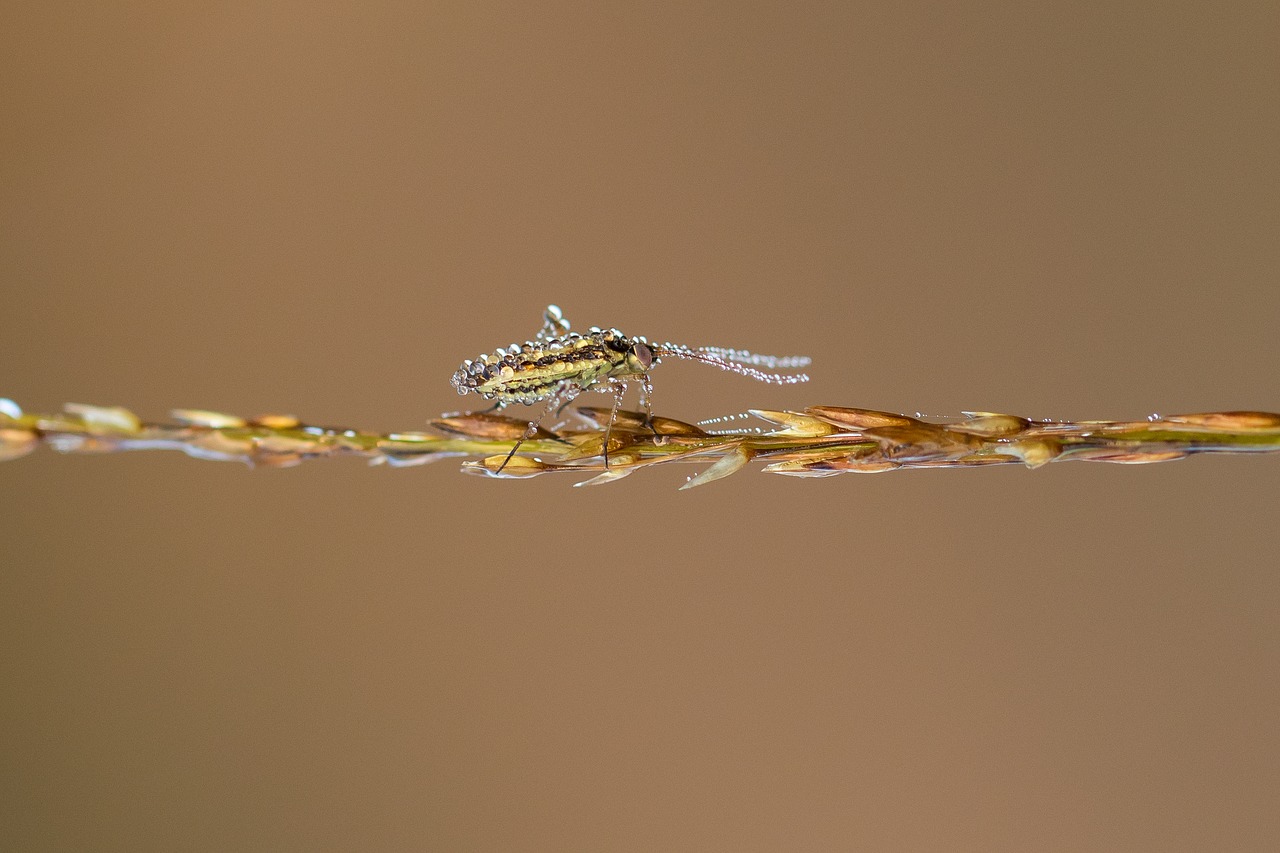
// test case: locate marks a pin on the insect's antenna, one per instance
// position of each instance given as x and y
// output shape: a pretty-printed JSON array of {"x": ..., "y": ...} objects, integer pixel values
[
  {"x": 707, "y": 355},
  {"x": 773, "y": 362}
]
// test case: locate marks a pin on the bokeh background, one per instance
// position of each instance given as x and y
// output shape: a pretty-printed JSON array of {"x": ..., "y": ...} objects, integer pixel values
[{"x": 1056, "y": 210}]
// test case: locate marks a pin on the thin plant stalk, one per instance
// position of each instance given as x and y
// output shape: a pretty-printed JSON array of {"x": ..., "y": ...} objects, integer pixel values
[{"x": 819, "y": 441}]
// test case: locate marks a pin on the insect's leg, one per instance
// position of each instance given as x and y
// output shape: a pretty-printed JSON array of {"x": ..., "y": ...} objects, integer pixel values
[
  {"x": 619, "y": 389},
  {"x": 533, "y": 425},
  {"x": 528, "y": 434},
  {"x": 554, "y": 325},
  {"x": 646, "y": 397}
]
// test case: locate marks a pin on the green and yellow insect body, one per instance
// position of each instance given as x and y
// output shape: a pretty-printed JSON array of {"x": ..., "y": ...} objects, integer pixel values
[
  {"x": 558, "y": 365},
  {"x": 537, "y": 370}
]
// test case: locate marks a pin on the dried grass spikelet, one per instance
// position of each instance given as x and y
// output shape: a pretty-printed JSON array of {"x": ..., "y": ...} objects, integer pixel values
[{"x": 819, "y": 441}]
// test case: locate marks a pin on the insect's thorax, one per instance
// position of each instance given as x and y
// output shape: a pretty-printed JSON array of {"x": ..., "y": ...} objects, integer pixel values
[{"x": 537, "y": 369}]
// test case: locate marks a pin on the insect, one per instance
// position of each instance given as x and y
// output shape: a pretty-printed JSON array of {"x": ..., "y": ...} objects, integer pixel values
[{"x": 558, "y": 365}]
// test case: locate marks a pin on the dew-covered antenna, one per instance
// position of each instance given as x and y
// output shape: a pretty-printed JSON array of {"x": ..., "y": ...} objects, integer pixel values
[{"x": 738, "y": 361}]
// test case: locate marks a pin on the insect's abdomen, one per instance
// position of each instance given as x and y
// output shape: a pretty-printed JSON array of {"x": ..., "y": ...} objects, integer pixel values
[{"x": 536, "y": 370}]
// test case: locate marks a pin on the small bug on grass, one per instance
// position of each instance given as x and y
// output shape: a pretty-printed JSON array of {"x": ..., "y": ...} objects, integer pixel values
[{"x": 558, "y": 365}]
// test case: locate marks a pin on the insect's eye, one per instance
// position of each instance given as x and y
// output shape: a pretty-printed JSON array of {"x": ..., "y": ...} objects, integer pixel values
[{"x": 643, "y": 354}]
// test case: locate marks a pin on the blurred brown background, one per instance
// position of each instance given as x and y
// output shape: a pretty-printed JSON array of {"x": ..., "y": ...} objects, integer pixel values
[{"x": 1057, "y": 212}]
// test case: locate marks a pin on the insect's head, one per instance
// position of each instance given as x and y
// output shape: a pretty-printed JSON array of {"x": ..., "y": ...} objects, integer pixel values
[{"x": 640, "y": 355}]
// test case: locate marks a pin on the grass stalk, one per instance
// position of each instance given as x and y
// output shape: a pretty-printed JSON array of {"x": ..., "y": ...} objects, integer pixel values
[{"x": 819, "y": 441}]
